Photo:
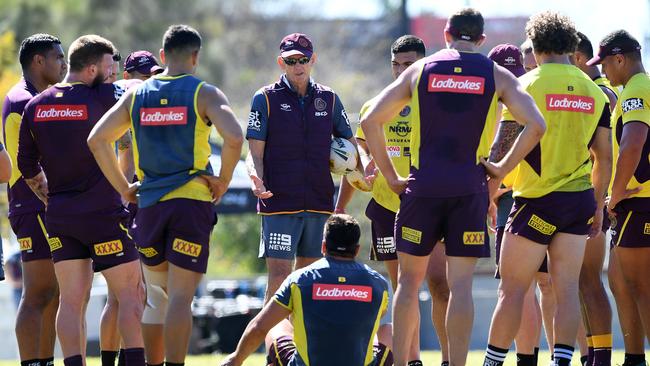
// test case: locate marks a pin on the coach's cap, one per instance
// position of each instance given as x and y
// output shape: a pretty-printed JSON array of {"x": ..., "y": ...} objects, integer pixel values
[
  {"x": 142, "y": 62},
  {"x": 616, "y": 43},
  {"x": 508, "y": 56},
  {"x": 296, "y": 44}
]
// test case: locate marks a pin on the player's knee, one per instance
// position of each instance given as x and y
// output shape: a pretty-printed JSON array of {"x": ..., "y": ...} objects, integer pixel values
[
  {"x": 545, "y": 285},
  {"x": 439, "y": 289},
  {"x": 512, "y": 291},
  {"x": 40, "y": 297},
  {"x": 155, "y": 309}
]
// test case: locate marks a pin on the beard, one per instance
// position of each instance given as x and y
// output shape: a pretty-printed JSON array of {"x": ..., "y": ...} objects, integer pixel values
[{"x": 99, "y": 79}]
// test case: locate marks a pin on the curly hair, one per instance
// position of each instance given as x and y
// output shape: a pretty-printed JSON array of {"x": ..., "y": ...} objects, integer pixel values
[{"x": 552, "y": 32}]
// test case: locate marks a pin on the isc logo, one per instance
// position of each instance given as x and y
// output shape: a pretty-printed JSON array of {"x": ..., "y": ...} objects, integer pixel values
[{"x": 320, "y": 114}]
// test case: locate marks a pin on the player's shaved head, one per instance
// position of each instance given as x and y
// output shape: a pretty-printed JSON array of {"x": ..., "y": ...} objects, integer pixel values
[
  {"x": 37, "y": 44},
  {"x": 88, "y": 50},
  {"x": 552, "y": 33},
  {"x": 181, "y": 40}
]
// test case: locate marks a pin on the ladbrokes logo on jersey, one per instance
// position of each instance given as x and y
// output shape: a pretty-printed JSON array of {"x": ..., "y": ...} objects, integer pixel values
[
  {"x": 63, "y": 112},
  {"x": 321, "y": 291},
  {"x": 163, "y": 116},
  {"x": 456, "y": 84},
  {"x": 570, "y": 103}
]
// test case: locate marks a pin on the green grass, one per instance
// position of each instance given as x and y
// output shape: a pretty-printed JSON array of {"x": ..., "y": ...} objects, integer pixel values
[{"x": 429, "y": 358}]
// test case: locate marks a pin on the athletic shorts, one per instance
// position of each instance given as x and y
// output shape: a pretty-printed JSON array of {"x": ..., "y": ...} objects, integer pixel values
[
  {"x": 498, "y": 240},
  {"x": 606, "y": 221},
  {"x": 461, "y": 221},
  {"x": 539, "y": 219},
  {"x": 382, "y": 226},
  {"x": 630, "y": 228},
  {"x": 283, "y": 350},
  {"x": 286, "y": 236},
  {"x": 32, "y": 236},
  {"x": 504, "y": 206},
  {"x": 133, "y": 210},
  {"x": 101, "y": 236},
  {"x": 178, "y": 231}
]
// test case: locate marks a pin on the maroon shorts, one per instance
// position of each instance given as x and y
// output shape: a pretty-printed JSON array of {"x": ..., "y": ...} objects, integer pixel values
[
  {"x": 382, "y": 225},
  {"x": 177, "y": 231},
  {"x": 461, "y": 221},
  {"x": 283, "y": 350},
  {"x": 497, "y": 247},
  {"x": 606, "y": 221},
  {"x": 630, "y": 228},
  {"x": 32, "y": 236},
  {"x": 100, "y": 235},
  {"x": 539, "y": 219}
]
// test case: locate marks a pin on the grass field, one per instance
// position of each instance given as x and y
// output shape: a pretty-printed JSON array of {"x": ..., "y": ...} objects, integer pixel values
[{"x": 430, "y": 358}]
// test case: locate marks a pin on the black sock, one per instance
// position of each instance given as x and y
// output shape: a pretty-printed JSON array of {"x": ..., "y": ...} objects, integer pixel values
[
  {"x": 536, "y": 354},
  {"x": 34, "y": 362},
  {"x": 526, "y": 360},
  {"x": 415, "y": 363},
  {"x": 133, "y": 356},
  {"x": 75, "y": 360},
  {"x": 167, "y": 363},
  {"x": 583, "y": 360},
  {"x": 444, "y": 363},
  {"x": 633, "y": 359},
  {"x": 108, "y": 358},
  {"x": 47, "y": 361},
  {"x": 494, "y": 356},
  {"x": 121, "y": 361},
  {"x": 562, "y": 354}
]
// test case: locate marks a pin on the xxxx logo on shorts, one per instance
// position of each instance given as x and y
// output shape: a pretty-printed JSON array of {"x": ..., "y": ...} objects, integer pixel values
[
  {"x": 148, "y": 252},
  {"x": 55, "y": 243},
  {"x": 109, "y": 247},
  {"x": 187, "y": 248},
  {"x": 473, "y": 238},
  {"x": 540, "y": 225},
  {"x": 646, "y": 228},
  {"x": 412, "y": 235},
  {"x": 25, "y": 243}
]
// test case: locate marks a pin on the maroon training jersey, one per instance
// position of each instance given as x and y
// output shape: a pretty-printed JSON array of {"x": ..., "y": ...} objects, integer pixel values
[{"x": 53, "y": 135}]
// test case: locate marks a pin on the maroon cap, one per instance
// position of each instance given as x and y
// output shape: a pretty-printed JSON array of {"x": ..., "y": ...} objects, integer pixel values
[
  {"x": 142, "y": 62},
  {"x": 296, "y": 44},
  {"x": 508, "y": 56},
  {"x": 616, "y": 46}
]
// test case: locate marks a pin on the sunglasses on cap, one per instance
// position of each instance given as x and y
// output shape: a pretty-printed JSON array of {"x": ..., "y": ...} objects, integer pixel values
[{"x": 293, "y": 61}]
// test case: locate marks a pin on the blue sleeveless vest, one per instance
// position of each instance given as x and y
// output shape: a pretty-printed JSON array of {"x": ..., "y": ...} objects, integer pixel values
[{"x": 170, "y": 144}]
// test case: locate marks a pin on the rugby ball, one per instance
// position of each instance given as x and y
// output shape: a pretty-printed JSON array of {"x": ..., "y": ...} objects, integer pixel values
[{"x": 343, "y": 156}]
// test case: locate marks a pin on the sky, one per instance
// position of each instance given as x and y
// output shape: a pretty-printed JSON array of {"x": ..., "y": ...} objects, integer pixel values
[{"x": 595, "y": 18}]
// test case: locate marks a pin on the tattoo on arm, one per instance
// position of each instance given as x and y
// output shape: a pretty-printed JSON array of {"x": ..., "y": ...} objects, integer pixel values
[
  {"x": 124, "y": 142},
  {"x": 505, "y": 138}
]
